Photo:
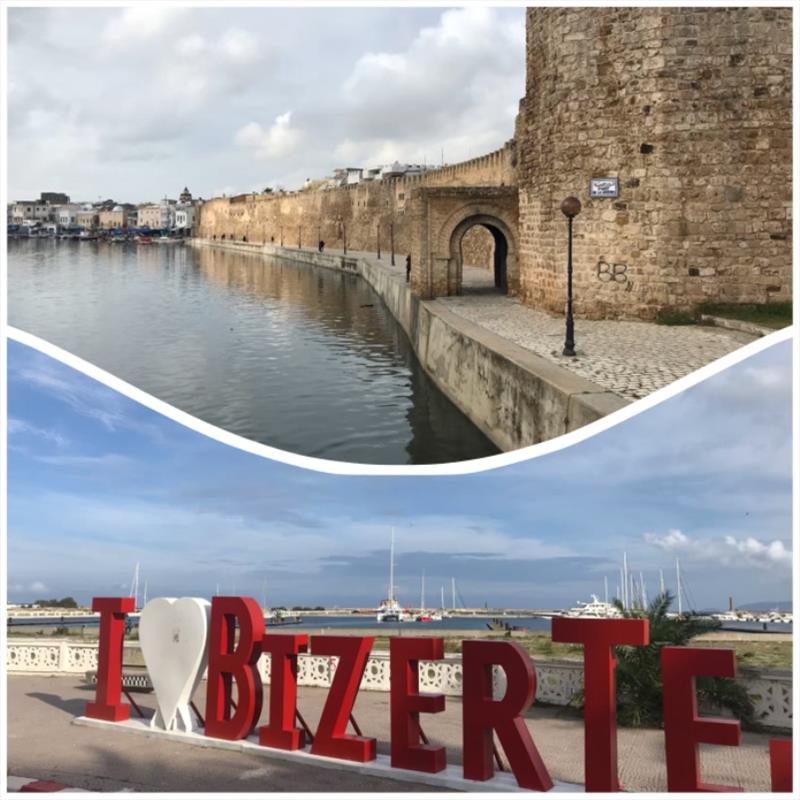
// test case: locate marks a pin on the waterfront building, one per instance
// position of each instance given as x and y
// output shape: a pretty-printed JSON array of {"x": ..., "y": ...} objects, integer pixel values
[
  {"x": 115, "y": 218},
  {"x": 87, "y": 218},
  {"x": 66, "y": 214},
  {"x": 148, "y": 216},
  {"x": 29, "y": 212},
  {"x": 184, "y": 217},
  {"x": 185, "y": 197},
  {"x": 54, "y": 198}
]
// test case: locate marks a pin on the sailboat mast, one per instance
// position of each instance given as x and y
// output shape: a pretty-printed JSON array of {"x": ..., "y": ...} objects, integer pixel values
[
  {"x": 144, "y": 599},
  {"x": 678, "y": 579},
  {"x": 442, "y": 598},
  {"x": 453, "y": 589},
  {"x": 643, "y": 589},
  {"x": 661, "y": 580},
  {"x": 625, "y": 580},
  {"x": 391, "y": 567},
  {"x": 135, "y": 586}
]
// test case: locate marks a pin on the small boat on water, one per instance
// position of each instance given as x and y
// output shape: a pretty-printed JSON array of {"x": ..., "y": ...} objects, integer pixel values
[
  {"x": 425, "y": 615},
  {"x": 142, "y": 239}
]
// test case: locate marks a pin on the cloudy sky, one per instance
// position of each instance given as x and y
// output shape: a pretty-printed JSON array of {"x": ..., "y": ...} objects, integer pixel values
[
  {"x": 136, "y": 103},
  {"x": 97, "y": 483}
]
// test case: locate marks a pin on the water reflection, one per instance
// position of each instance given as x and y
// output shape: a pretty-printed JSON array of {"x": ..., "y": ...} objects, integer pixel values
[{"x": 301, "y": 358}]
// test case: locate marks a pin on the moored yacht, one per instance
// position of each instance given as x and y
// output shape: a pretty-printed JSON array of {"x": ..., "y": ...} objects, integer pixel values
[{"x": 595, "y": 609}]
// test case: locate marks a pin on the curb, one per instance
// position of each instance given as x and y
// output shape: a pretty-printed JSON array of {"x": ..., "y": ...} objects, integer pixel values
[
  {"x": 737, "y": 325},
  {"x": 16, "y": 784}
]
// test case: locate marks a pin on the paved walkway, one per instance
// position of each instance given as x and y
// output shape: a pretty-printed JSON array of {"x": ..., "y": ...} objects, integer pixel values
[
  {"x": 631, "y": 359},
  {"x": 44, "y": 744}
]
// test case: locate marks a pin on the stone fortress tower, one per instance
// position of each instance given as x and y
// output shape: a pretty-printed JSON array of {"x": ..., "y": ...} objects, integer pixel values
[{"x": 690, "y": 108}]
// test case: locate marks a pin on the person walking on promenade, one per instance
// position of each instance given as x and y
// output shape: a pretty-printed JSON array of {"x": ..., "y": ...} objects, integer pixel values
[
  {"x": 321, "y": 245},
  {"x": 408, "y": 268}
]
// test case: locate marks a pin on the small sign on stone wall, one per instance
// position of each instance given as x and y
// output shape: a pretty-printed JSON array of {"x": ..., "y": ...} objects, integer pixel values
[{"x": 604, "y": 187}]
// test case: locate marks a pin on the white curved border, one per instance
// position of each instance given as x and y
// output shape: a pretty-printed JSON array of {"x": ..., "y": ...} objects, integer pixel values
[{"x": 347, "y": 468}]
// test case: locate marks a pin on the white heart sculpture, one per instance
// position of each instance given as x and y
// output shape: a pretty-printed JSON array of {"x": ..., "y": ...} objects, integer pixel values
[{"x": 174, "y": 639}]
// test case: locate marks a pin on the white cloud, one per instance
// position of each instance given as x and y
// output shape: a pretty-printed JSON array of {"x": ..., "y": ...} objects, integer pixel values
[
  {"x": 37, "y": 586},
  {"x": 278, "y": 140},
  {"x": 433, "y": 79},
  {"x": 767, "y": 552},
  {"x": 140, "y": 22},
  {"x": 190, "y": 45},
  {"x": 727, "y": 551},
  {"x": 85, "y": 396},
  {"x": 456, "y": 87},
  {"x": 16, "y": 426},
  {"x": 239, "y": 46}
]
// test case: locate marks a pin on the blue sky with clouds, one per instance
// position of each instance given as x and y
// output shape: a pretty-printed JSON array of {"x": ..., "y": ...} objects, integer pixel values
[
  {"x": 136, "y": 102},
  {"x": 98, "y": 482}
]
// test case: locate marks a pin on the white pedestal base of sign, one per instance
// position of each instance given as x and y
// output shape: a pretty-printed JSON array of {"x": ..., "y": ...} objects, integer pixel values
[{"x": 449, "y": 778}]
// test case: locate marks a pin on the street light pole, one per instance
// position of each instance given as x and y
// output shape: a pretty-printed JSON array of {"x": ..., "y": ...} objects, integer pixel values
[
  {"x": 570, "y": 208},
  {"x": 391, "y": 238},
  {"x": 378, "y": 235}
]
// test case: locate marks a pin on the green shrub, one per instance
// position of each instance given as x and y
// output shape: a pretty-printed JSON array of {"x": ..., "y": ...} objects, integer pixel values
[{"x": 639, "y": 687}]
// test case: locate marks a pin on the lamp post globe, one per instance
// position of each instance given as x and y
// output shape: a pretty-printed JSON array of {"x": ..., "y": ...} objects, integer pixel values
[{"x": 570, "y": 207}]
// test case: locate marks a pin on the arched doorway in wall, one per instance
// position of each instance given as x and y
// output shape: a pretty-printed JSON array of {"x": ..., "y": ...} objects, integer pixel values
[{"x": 483, "y": 251}]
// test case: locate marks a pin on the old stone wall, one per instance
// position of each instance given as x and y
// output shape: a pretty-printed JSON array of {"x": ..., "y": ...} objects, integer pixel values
[
  {"x": 477, "y": 248},
  {"x": 691, "y": 109},
  {"x": 359, "y": 212}
]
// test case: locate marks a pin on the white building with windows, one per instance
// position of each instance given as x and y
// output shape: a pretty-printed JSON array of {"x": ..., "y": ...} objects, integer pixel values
[{"x": 184, "y": 217}]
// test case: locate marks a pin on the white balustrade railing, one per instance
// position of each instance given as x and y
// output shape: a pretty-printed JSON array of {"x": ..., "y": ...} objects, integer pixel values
[{"x": 556, "y": 681}]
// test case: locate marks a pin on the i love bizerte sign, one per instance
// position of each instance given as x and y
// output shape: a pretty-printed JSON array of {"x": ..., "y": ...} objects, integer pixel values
[{"x": 182, "y": 638}]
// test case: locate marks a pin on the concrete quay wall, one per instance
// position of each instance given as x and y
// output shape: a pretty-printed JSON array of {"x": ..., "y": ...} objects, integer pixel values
[{"x": 514, "y": 396}]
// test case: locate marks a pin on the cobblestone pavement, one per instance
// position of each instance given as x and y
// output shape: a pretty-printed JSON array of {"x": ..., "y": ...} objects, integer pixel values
[
  {"x": 631, "y": 359},
  {"x": 43, "y": 744}
]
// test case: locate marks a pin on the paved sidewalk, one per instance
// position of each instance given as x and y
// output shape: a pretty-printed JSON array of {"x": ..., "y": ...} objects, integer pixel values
[
  {"x": 43, "y": 742},
  {"x": 631, "y": 359}
]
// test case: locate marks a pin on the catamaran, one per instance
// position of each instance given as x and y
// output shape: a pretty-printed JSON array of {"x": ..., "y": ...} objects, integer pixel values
[{"x": 389, "y": 610}]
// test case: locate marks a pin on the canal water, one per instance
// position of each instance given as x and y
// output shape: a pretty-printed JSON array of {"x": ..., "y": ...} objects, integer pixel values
[{"x": 298, "y": 357}]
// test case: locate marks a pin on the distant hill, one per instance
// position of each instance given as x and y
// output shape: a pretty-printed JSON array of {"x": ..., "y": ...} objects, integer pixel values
[{"x": 768, "y": 605}]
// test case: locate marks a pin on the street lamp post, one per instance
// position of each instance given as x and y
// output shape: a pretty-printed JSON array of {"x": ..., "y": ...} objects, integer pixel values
[
  {"x": 391, "y": 238},
  {"x": 281, "y": 230},
  {"x": 378, "y": 236},
  {"x": 570, "y": 208},
  {"x": 299, "y": 236}
]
